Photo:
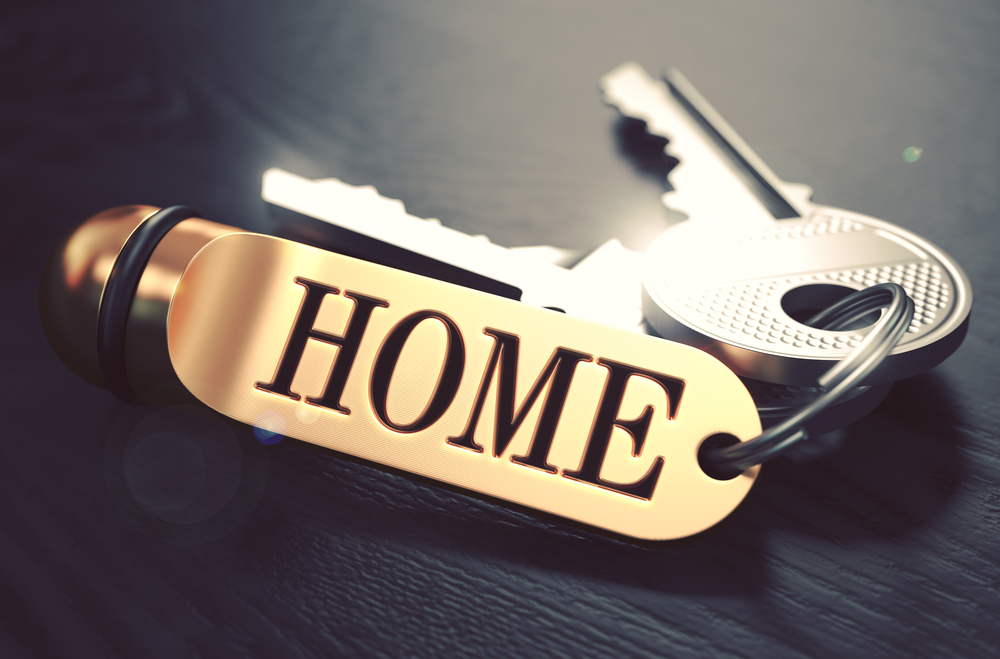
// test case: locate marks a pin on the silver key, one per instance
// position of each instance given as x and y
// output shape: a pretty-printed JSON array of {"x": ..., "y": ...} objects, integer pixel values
[
  {"x": 756, "y": 257},
  {"x": 602, "y": 288}
]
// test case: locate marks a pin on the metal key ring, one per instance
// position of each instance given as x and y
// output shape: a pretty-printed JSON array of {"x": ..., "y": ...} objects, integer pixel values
[{"x": 835, "y": 383}]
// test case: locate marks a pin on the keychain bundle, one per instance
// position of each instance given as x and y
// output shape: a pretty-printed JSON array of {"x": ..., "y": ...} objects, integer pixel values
[{"x": 616, "y": 394}]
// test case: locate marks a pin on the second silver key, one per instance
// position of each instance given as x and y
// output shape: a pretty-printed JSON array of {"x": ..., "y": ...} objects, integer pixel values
[{"x": 756, "y": 257}]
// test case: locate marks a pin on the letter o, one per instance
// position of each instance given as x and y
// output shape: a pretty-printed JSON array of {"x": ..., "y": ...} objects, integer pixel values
[{"x": 447, "y": 385}]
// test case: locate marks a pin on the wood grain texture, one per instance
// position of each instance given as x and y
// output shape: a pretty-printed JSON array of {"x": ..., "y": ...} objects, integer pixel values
[{"x": 883, "y": 543}]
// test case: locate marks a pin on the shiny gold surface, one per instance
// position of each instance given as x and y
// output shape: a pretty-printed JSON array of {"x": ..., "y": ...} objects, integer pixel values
[
  {"x": 146, "y": 358},
  {"x": 73, "y": 283},
  {"x": 230, "y": 327}
]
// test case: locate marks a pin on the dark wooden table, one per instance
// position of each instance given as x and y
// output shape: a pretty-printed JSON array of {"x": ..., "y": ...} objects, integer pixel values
[{"x": 487, "y": 116}]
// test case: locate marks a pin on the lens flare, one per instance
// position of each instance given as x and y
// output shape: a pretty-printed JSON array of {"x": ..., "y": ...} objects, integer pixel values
[
  {"x": 269, "y": 427},
  {"x": 912, "y": 153},
  {"x": 165, "y": 471}
]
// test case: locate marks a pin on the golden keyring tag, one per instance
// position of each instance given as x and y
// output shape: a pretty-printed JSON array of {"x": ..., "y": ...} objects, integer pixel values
[{"x": 580, "y": 420}]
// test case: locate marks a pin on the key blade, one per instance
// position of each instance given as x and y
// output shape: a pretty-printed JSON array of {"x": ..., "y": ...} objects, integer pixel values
[
  {"x": 706, "y": 186},
  {"x": 378, "y": 228},
  {"x": 387, "y": 234},
  {"x": 756, "y": 174},
  {"x": 564, "y": 258},
  {"x": 359, "y": 222}
]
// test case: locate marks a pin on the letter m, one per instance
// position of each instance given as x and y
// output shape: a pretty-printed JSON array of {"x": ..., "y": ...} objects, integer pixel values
[{"x": 558, "y": 373}]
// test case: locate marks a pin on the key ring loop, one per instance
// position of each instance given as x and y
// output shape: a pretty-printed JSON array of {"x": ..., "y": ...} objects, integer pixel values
[{"x": 835, "y": 383}]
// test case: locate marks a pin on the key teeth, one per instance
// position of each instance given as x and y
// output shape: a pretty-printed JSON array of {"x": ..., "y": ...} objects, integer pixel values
[
  {"x": 373, "y": 196},
  {"x": 800, "y": 193},
  {"x": 609, "y": 84},
  {"x": 669, "y": 199},
  {"x": 611, "y": 80},
  {"x": 369, "y": 191}
]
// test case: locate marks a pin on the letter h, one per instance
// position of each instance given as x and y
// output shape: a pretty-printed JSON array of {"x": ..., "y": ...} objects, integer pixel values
[{"x": 303, "y": 329}]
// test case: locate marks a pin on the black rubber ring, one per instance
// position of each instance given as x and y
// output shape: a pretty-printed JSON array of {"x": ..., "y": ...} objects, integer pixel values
[{"x": 119, "y": 291}]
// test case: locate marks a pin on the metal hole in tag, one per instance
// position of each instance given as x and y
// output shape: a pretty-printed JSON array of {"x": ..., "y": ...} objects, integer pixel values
[{"x": 584, "y": 421}]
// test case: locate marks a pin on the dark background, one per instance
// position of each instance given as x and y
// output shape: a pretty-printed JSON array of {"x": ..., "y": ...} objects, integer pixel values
[{"x": 883, "y": 543}]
